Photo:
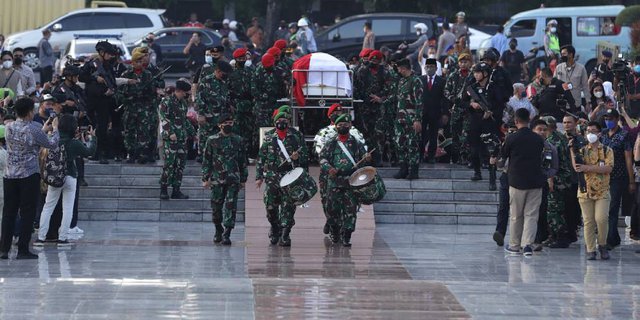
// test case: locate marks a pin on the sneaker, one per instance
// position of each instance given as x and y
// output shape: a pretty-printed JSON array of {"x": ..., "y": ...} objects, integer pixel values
[
  {"x": 498, "y": 237},
  {"x": 76, "y": 230},
  {"x": 528, "y": 251},
  {"x": 591, "y": 255},
  {"x": 512, "y": 251},
  {"x": 38, "y": 243},
  {"x": 63, "y": 243}
]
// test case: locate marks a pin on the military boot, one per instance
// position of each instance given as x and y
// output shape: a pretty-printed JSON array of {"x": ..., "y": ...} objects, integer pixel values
[
  {"x": 477, "y": 176},
  {"x": 492, "y": 177},
  {"x": 274, "y": 233},
  {"x": 334, "y": 234},
  {"x": 404, "y": 171},
  {"x": 218, "y": 236},
  {"x": 346, "y": 238},
  {"x": 164, "y": 193},
  {"x": 285, "y": 240},
  {"x": 177, "y": 194},
  {"x": 225, "y": 236},
  {"x": 413, "y": 172}
]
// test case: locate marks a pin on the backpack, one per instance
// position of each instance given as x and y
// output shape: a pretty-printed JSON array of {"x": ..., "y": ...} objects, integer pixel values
[{"x": 55, "y": 167}]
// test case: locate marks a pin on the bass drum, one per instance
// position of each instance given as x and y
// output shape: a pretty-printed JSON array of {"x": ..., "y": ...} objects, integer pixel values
[
  {"x": 367, "y": 186},
  {"x": 299, "y": 186}
]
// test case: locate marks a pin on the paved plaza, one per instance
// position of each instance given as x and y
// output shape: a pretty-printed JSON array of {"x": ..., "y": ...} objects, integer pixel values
[{"x": 167, "y": 270}]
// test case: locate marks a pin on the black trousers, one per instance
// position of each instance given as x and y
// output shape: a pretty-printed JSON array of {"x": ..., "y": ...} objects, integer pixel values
[
  {"x": 573, "y": 213},
  {"x": 102, "y": 113},
  {"x": 20, "y": 195},
  {"x": 46, "y": 74},
  {"x": 635, "y": 214},
  {"x": 503, "y": 207},
  {"x": 430, "y": 127},
  {"x": 543, "y": 232}
]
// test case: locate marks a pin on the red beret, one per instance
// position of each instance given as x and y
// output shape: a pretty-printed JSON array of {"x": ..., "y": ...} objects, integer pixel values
[
  {"x": 280, "y": 44},
  {"x": 375, "y": 54},
  {"x": 241, "y": 52},
  {"x": 268, "y": 60},
  {"x": 333, "y": 108},
  {"x": 274, "y": 51},
  {"x": 365, "y": 53}
]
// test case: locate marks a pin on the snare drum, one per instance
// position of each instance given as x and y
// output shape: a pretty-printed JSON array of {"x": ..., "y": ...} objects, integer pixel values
[
  {"x": 299, "y": 186},
  {"x": 367, "y": 186}
]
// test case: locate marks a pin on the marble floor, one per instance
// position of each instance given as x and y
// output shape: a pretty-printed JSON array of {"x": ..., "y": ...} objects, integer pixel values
[{"x": 161, "y": 270}]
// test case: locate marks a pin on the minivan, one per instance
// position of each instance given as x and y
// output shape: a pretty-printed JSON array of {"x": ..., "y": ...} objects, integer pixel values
[
  {"x": 130, "y": 23},
  {"x": 582, "y": 27}
]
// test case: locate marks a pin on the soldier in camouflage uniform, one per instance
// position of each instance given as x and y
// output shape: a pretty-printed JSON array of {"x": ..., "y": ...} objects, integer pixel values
[
  {"x": 137, "y": 103},
  {"x": 558, "y": 231},
  {"x": 224, "y": 170},
  {"x": 341, "y": 202},
  {"x": 408, "y": 121},
  {"x": 266, "y": 88},
  {"x": 390, "y": 109},
  {"x": 176, "y": 128},
  {"x": 213, "y": 99},
  {"x": 371, "y": 88},
  {"x": 240, "y": 90},
  {"x": 459, "y": 117},
  {"x": 211, "y": 57},
  {"x": 272, "y": 165}
]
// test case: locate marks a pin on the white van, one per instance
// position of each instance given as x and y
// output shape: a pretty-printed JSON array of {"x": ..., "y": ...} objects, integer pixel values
[
  {"x": 130, "y": 23},
  {"x": 581, "y": 27}
]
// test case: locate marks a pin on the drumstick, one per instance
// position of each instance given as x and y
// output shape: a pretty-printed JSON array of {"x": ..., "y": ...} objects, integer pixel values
[
  {"x": 368, "y": 154},
  {"x": 289, "y": 160}
]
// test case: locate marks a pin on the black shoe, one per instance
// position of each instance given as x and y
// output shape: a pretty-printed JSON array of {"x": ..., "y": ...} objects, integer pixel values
[
  {"x": 4, "y": 256},
  {"x": 199, "y": 159},
  {"x": 604, "y": 253},
  {"x": 431, "y": 160},
  {"x": 403, "y": 172},
  {"x": 591, "y": 255},
  {"x": 131, "y": 161},
  {"x": 413, "y": 173},
  {"x": 274, "y": 234},
  {"x": 476, "y": 177},
  {"x": 346, "y": 239},
  {"x": 82, "y": 182},
  {"x": 26, "y": 256},
  {"x": 492, "y": 187},
  {"x": 226, "y": 237},
  {"x": 217, "y": 238},
  {"x": 325, "y": 229},
  {"x": 164, "y": 193},
  {"x": 498, "y": 237},
  {"x": 103, "y": 161},
  {"x": 285, "y": 240},
  {"x": 334, "y": 236},
  {"x": 177, "y": 194},
  {"x": 142, "y": 160},
  {"x": 117, "y": 159}
]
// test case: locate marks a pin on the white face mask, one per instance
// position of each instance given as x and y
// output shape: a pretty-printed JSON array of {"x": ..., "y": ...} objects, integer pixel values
[
  {"x": 418, "y": 32},
  {"x": 208, "y": 59},
  {"x": 553, "y": 29},
  {"x": 431, "y": 56},
  {"x": 592, "y": 138},
  {"x": 7, "y": 64},
  {"x": 598, "y": 94}
]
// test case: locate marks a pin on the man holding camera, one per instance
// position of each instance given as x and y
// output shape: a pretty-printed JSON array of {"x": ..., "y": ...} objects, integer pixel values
[
  {"x": 573, "y": 74},
  {"x": 555, "y": 97}
]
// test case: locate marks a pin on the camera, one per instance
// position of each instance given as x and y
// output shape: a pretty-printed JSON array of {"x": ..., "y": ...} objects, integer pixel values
[
  {"x": 621, "y": 72},
  {"x": 492, "y": 142},
  {"x": 562, "y": 103}
]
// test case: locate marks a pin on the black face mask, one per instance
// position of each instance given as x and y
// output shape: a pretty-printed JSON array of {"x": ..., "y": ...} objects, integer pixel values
[
  {"x": 240, "y": 64},
  {"x": 282, "y": 125},
  {"x": 512, "y": 46},
  {"x": 17, "y": 61},
  {"x": 343, "y": 130},
  {"x": 564, "y": 59},
  {"x": 226, "y": 129}
]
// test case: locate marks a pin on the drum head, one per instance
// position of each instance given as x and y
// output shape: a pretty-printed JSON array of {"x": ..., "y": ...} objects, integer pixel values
[
  {"x": 291, "y": 176},
  {"x": 362, "y": 176}
]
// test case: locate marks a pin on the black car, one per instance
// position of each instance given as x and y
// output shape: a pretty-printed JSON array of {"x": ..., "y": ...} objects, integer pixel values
[
  {"x": 173, "y": 40},
  {"x": 345, "y": 38}
]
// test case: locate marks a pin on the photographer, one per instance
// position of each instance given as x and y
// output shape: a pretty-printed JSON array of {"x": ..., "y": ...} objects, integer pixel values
[
  {"x": 555, "y": 98},
  {"x": 599, "y": 103},
  {"x": 503, "y": 195},
  {"x": 572, "y": 207}
]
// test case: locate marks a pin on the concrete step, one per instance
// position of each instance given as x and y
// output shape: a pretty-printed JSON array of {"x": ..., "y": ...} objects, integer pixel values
[
  {"x": 143, "y": 192},
  {"x": 437, "y": 184},
  {"x": 439, "y": 195},
  {"x": 436, "y": 206},
  {"x": 436, "y": 172},
  {"x": 150, "y": 215},
  {"x": 434, "y": 218},
  {"x": 155, "y": 169},
  {"x": 105, "y": 204},
  {"x": 137, "y": 180}
]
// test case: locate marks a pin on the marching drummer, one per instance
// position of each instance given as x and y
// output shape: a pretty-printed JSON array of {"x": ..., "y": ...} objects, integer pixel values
[
  {"x": 340, "y": 157},
  {"x": 224, "y": 170},
  {"x": 282, "y": 150}
]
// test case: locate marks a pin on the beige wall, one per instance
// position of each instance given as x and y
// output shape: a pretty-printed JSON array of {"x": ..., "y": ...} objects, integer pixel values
[{"x": 21, "y": 15}]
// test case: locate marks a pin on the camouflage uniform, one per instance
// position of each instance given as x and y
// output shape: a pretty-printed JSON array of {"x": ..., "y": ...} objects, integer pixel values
[
  {"x": 341, "y": 203},
  {"x": 280, "y": 209},
  {"x": 459, "y": 123},
  {"x": 561, "y": 183},
  {"x": 240, "y": 90},
  {"x": 224, "y": 164},
  {"x": 409, "y": 110},
  {"x": 390, "y": 110},
  {"x": 212, "y": 99},
  {"x": 138, "y": 112},
  {"x": 266, "y": 89},
  {"x": 371, "y": 115},
  {"x": 158, "y": 83},
  {"x": 173, "y": 119}
]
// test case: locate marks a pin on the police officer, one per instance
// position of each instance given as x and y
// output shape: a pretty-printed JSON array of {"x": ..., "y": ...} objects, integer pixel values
[
  {"x": 340, "y": 158},
  {"x": 283, "y": 149},
  {"x": 408, "y": 124},
  {"x": 213, "y": 99},
  {"x": 176, "y": 128},
  {"x": 240, "y": 90},
  {"x": 224, "y": 170}
]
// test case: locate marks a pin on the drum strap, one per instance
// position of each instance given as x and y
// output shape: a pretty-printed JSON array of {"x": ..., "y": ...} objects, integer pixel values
[
  {"x": 283, "y": 150},
  {"x": 346, "y": 152}
]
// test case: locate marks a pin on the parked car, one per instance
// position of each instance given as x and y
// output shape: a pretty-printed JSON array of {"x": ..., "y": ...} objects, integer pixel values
[
  {"x": 391, "y": 29},
  {"x": 83, "y": 48},
  {"x": 476, "y": 37},
  {"x": 130, "y": 23},
  {"x": 173, "y": 40}
]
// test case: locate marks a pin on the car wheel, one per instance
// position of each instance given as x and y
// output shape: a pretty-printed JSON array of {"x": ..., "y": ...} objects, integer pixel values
[{"x": 31, "y": 59}]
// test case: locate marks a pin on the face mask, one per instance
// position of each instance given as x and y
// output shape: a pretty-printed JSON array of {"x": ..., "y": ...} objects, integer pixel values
[
  {"x": 418, "y": 33},
  {"x": 610, "y": 124},
  {"x": 592, "y": 138},
  {"x": 248, "y": 63},
  {"x": 598, "y": 94},
  {"x": 7, "y": 64},
  {"x": 512, "y": 46},
  {"x": 553, "y": 30},
  {"x": 636, "y": 69},
  {"x": 17, "y": 61},
  {"x": 431, "y": 56},
  {"x": 564, "y": 59},
  {"x": 282, "y": 125},
  {"x": 208, "y": 59},
  {"x": 343, "y": 130},
  {"x": 240, "y": 64},
  {"x": 226, "y": 129}
]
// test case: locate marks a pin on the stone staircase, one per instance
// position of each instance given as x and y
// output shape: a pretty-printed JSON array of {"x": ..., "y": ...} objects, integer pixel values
[
  {"x": 128, "y": 192},
  {"x": 443, "y": 195}
]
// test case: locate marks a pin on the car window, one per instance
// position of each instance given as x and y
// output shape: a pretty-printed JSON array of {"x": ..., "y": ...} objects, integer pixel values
[
  {"x": 523, "y": 28},
  {"x": 76, "y": 22},
  {"x": 84, "y": 48},
  {"x": 205, "y": 38},
  {"x": 101, "y": 21},
  {"x": 387, "y": 27},
  {"x": 597, "y": 26},
  {"x": 167, "y": 38},
  {"x": 348, "y": 30},
  {"x": 185, "y": 36},
  {"x": 428, "y": 22},
  {"x": 137, "y": 21}
]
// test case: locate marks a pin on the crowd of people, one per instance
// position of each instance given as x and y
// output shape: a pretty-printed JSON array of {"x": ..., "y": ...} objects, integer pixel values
[{"x": 567, "y": 137}]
